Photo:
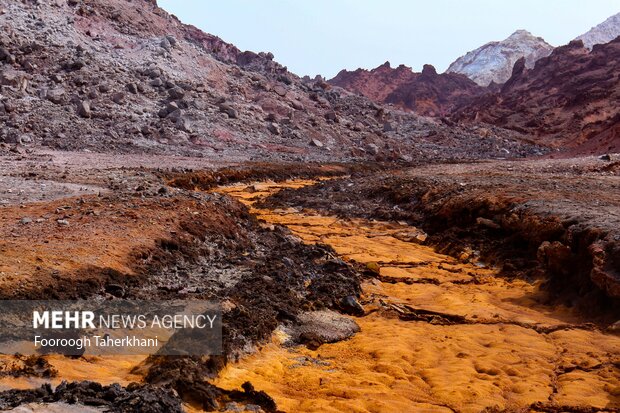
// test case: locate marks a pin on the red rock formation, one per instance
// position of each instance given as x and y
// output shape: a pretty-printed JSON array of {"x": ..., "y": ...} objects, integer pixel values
[
  {"x": 426, "y": 93},
  {"x": 570, "y": 100}
]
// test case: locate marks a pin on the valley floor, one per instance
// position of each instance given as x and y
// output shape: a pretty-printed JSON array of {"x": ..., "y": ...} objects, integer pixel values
[{"x": 489, "y": 285}]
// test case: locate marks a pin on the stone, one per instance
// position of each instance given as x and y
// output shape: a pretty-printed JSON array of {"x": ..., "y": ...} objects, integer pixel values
[
  {"x": 6, "y": 56},
  {"x": 168, "y": 109},
  {"x": 9, "y": 106},
  {"x": 373, "y": 267},
  {"x": 176, "y": 93},
  {"x": 274, "y": 128},
  {"x": 165, "y": 44},
  {"x": 372, "y": 148},
  {"x": 83, "y": 109},
  {"x": 172, "y": 40},
  {"x": 55, "y": 95},
  {"x": 317, "y": 143},
  {"x": 331, "y": 116},
  {"x": 14, "y": 78},
  {"x": 350, "y": 305},
  {"x": 297, "y": 105},
  {"x": 605, "y": 157},
  {"x": 25, "y": 140},
  {"x": 175, "y": 115},
  {"x": 183, "y": 124},
  {"x": 132, "y": 88},
  {"x": 62, "y": 222},
  {"x": 280, "y": 90},
  {"x": 323, "y": 326},
  {"x": 118, "y": 98},
  {"x": 25, "y": 220},
  {"x": 116, "y": 290},
  {"x": 229, "y": 110},
  {"x": 485, "y": 222}
]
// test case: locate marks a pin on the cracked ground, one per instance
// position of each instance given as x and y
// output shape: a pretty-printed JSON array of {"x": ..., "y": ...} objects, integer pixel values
[{"x": 438, "y": 334}]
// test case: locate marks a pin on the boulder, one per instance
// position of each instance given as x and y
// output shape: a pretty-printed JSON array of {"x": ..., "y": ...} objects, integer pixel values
[
  {"x": 176, "y": 93},
  {"x": 274, "y": 128},
  {"x": 55, "y": 95},
  {"x": 229, "y": 110},
  {"x": 118, "y": 98},
  {"x": 14, "y": 78},
  {"x": 83, "y": 109}
]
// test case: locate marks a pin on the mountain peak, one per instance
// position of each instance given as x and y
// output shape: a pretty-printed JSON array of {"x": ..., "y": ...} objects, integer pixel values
[
  {"x": 602, "y": 33},
  {"x": 520, "y": 33},
  {"x": 493, "y": 62}
]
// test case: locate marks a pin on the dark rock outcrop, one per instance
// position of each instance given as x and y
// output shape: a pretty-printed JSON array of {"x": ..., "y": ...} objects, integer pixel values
[
  {"x": 426, "y": 93},
  {"x": 569, "y": 101}
]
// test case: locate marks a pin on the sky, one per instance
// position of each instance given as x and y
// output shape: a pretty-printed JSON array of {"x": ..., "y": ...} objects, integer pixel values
[{"x": 326, "y": 36}]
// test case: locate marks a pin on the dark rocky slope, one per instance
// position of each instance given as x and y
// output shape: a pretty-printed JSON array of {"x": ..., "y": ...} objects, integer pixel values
[
  {"x": 426, "y": 93},
  {"x": 126, "y": 77},
  {"x": 570, "y": 100}
]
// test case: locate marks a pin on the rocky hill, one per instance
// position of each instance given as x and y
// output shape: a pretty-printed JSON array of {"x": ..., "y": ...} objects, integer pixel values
[
  {"x": 125, "y": 76},
  {"x": 602, "y": 33},
  {"x": 426, "y": 93},
  {"x": 493, "y": 62},
  {"x": 569, "y": 101}
]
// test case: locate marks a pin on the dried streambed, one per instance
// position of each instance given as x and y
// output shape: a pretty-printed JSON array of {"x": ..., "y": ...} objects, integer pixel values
[{"x": 438, "y": 335}]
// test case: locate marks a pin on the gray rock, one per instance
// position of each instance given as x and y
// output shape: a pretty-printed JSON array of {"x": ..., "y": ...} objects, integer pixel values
[
  {"x": 83, "y": 109},
  {"x": 175, "y": 115},
  {"x": 229, "y": 110},
  {"x": 172, "y": 40},
  {"x": 132, "y": 88},
  {"x": 331, "y": 115},
  {"x": 372, "y": 148},
  {"x": 317, "y": 143},
  {"x": 280, "y": 90},
  {"x": 297, "y": 105},
  {"x": 183, "y": 124},
  {"x": 325, "y": 326},
  {"x": 25, "y": 140},
  {"x": 14, "y": 78},
  {"x": 350, "y": 305},
  {"x": 176, "y": 93},
  {"x": 165, "y": 44},
  {"x": 118, "y": 98},
  {"x": 55, "y": 95},
  {"x": 274, "y": 128}
]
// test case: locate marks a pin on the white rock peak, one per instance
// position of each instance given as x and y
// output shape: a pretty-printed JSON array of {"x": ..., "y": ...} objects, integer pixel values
[
  {"x": 602, "y": 33},
  {"x": 493, "y": 61}
]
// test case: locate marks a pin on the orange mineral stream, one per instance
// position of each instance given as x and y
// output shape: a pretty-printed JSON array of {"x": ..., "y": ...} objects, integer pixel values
[{"x": 511, "y": 352}]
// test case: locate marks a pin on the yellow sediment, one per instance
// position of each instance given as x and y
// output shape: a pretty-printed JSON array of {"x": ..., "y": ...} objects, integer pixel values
[
  {"x": 103, "y": 369},
  {"x": 500, "y": 359}
]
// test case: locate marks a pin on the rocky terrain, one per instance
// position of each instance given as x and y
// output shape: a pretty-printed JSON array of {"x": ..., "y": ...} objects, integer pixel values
[
  {"x": 523, "y": 238},
  {"x": 602, "y": 33},
  {"x": 493, "y": 62},
  {"x": 126, "y": 77},
  {"x": 426, "y": 93},
  {"x": 569, "y": 100}
]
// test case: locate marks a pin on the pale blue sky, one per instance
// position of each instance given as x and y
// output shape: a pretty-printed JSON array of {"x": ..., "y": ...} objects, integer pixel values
[{"x": 325, "y": 36}]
